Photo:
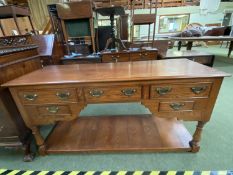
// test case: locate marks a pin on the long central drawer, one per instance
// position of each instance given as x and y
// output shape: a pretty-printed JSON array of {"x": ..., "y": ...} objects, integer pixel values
[{"x": 112, "y": 93}]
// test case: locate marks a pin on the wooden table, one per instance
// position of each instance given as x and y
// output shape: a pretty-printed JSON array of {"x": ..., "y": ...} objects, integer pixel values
[
  {"x": 190, "y": 41},
  {"x": 173, "y": 90},
  {"x": 194, "y": 55}
]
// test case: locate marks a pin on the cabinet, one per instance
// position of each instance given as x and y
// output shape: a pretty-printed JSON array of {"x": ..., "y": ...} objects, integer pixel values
[{"x": 15, "y": 62}]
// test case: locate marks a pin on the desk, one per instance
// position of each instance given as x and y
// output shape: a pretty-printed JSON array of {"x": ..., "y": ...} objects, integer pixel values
[
  {"x": 203, "y": 38},
  {"x": 171, "y": 89}
]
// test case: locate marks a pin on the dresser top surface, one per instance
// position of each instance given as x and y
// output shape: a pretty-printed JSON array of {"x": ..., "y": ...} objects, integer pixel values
[{"x": 116, "y": 72}]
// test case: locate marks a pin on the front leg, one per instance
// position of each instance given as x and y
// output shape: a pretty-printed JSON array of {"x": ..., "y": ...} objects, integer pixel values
[
  {"x": 39, "y": 140},
  {"x": 195, "y": 143}
]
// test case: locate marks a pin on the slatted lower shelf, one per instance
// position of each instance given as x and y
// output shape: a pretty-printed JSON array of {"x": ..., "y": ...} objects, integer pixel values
[{"x": 119, "y": 133}]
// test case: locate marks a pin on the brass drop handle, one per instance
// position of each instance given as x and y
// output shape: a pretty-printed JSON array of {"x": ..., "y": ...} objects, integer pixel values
[
  {"x": 128, "y": 91},
  {"x": 53, "y": 109},
  {"x": 63, "y": 95},
  {"x": 198, "y": 89},
  {"x": 115, "y": 58},
  {"x": 176, "y": 106},
  {"x": 163, "y": 90},
  {"x": 30, "y": 97},
  {"x": 96, "y": 93}
]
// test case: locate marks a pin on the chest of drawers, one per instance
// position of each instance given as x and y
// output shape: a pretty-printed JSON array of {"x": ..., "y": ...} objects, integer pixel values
[
  {"x": 170, "y": 93},
  {"x": 141, "y": 55}
]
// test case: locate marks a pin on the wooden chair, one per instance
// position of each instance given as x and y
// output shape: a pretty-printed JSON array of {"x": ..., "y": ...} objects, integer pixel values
[{"x": 77, "y": 21}]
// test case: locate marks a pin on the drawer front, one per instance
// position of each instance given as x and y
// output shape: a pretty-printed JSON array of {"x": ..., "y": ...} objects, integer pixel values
[
  {"x": 46, "y": 96},
  {"x": 46, "y": 114},
  {"x": 115, "y": 58},
  {"x": 177, "y": 106},
  {"x": 201, "y": 90},
  {"x": 54, "y": 110},
  {"x": 143, "y": 56},
  {"x": 112, "y": 94},
  {"x": 185, "y": 109}
]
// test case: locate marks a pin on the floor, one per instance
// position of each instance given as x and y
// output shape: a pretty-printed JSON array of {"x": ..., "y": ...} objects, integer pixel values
[{"x": 216, "y": 147}]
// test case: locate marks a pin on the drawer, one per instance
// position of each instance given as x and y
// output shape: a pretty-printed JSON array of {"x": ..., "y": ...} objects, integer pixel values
[
  {"x": 123, "y": 57},
  {"x": 54, "y": 110},
  {"x": 184, "y": 109},
  {"x": 46, "y": 96},
  {"x": 176, "y": 106},
  {"x": 201, "y": 90},
  {"x": 45, "y": 114},
  {"x": 143, "y": 56},
  {"x": 112, "y": 94}
]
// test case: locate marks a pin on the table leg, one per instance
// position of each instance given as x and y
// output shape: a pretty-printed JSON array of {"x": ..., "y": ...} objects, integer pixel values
[
  {"x": 195, "y": 143},
  {"x": 39, "y": 140},
  {"x": 230, "y": 49},
  {"x": 179, "y": 45},
  {"x": 189, "y": 45}
]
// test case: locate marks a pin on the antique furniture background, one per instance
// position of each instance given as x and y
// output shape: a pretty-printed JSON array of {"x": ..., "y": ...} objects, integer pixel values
[
  {"x": 133, "y": 54},
  {"x": 190, "y": 41},
  {"x": 145, "y": 4},
  {"x": 197, "y": 56},
  {"x": 173, "y": 23},
  {"x": 49, "y": 49},
  {"x": 56, "y": 22},
  {"x": 143, "y": 19},
  {"x": 111, "y": 12},
  {"x": 11, "y": 11},
  {"x": 173, "y": 90},
  {"x": 103, "y": 34},
  {"x": 18, "y": 56},
  {"x": 77, "y": 25},
  {"x": 83, "y": 59},
  {"x": 123, "y": 26}
]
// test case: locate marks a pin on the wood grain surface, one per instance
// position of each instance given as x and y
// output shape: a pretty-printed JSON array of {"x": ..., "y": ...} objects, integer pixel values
[{"x": 114, "y": 72}]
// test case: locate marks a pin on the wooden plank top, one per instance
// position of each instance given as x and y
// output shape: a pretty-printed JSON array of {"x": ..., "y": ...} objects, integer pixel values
[
  {"x": 203, "y": 38},
  {"x": 117, "y": 72},
  {"x": 185, "y": 53}
]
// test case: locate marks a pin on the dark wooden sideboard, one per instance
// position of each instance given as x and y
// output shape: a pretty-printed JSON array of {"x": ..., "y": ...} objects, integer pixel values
[
  {"x": 15, "y": 62},
  {"x": 113, "y": 57},
  {"x": 173, "y": 90}
]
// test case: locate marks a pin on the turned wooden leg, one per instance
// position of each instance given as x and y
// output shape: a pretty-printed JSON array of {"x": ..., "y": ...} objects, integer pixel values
[
  {"x": 28, "y": 155},
  {"x": 179, "y": 45},
  {"x": 39, "y": 140},
  {"x": 189, "y": 45},
  {"x": 195, "y": 143}
]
